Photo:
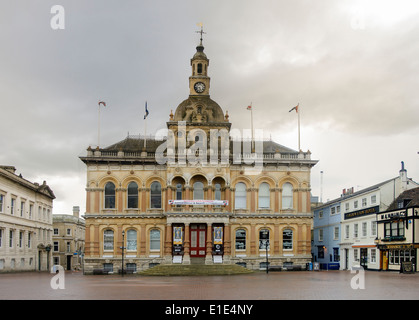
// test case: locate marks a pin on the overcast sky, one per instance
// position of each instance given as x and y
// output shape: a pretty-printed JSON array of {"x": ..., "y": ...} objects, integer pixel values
[{"x": 353, "y": 66}]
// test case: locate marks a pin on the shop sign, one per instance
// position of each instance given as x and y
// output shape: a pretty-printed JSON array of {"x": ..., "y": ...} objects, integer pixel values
[{"x": 363, "y": 212}]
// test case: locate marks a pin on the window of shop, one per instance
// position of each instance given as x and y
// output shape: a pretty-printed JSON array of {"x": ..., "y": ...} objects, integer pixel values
[
  {"x": 394, "y": 229},
  {"x": 397, "y": 256}
]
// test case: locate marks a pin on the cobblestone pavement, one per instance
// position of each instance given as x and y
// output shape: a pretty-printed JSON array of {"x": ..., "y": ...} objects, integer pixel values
[{"x": 298, "y": 285}]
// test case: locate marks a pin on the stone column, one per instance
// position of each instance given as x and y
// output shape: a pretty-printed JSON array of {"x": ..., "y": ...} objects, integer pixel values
[
  {"x": 227, "y": 242},
  {"x": 168, "y": 243},
  {"x": 208, "y": 257},
  {"x": 186, "y": 246}
]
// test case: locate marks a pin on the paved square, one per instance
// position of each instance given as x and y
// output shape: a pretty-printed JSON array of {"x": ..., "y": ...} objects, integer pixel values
[{"x": 298, "y": 285}]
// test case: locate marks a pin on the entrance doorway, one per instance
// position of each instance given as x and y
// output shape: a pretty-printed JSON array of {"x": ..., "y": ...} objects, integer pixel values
[
  {"x": 68, "y": 262},
  {"x": 198, "y": 238},
  {"x": 364, "y": 258}
]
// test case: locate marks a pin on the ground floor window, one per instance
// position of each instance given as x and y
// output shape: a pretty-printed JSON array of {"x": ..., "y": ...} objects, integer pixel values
[
  {"x": 155, "y": 239},
  {"x": 240, "y": 239},
  {"x": 131, "y": 267},
  {"x": 336, "y": 255},
  {"x": 108, "y": 267},
  {"x": 373, "y": 256},
  {"x": 397, "y": 256},
  {"x": 287, "y": 239}
]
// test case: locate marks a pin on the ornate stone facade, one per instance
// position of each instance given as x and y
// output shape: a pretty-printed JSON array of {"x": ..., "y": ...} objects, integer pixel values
[{"x": 130, "y": 186}]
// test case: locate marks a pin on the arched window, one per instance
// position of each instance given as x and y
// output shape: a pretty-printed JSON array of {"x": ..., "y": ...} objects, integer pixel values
[
  {"x": 108, "y": 240},
  {"x": 109, "y": 196},
  {"x": 132, "y": 240},
  {"x": 155, "y": 195},
  {"x": 287, "y": 196},
  {"x": 240, "y": 196},
  {"x": 132, "y": 195},
  {"x": 287, "y": 239},
  {"x": 154, "y": 239},
  {"x": 240, "y": 239},
  {"x": 199, "y": 68},
  {"x": 178, "y": 191},
  {"x": 264, "y": 196},
  {"x": 217, "y": 192},
  {"x": 263, "y": 239},
  {"x": 198, "y": 190}
]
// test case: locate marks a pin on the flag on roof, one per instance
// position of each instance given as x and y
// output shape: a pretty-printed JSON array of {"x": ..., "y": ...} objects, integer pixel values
[
  {"x": 102, "y": 103},
  {"x": 146, "y": 111},
  {"x": 295, "y": 108}
]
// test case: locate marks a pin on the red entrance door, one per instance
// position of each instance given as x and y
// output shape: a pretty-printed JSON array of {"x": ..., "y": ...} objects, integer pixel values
[{"x": 198, "y": 237}]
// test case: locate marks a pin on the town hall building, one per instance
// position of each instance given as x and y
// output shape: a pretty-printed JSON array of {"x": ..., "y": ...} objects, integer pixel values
[{"x": 200, "y": 193}]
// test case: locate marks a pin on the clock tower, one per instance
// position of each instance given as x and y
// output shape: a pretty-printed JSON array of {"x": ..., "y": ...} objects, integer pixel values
[{"x": 199, "y": 82}]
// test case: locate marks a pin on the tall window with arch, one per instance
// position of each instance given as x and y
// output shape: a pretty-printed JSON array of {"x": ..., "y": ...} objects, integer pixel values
[
  {"x": 263, "y": 239},
  {"x": 132, "y": 240},
  {"x": 178, "y": 191},
  {"x": 108, "y": 240},
  {"x": 154, "y": 239},
  {"x": 155, "y": 195},
  {"x": 287, "y": 239},
  {"x": 264, "y": 196},
  {"x": 240, "y": 196},
  {"x": 132, "y": 195},
  {"x": 217, "y": 191},
  {"x": 287, "y": 196},
  {"x": 240, "y": 239},
  {"x": 109, "y": 196},
  {"x": 198, "y": 191}
]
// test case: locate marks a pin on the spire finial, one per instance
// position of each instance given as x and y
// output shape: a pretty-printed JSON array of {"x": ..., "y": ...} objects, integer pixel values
[{"x": 200, "y": 24}]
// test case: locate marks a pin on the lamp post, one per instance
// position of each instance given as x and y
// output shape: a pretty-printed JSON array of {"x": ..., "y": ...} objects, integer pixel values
[
  {"x": 265, "y": 234},
  {"x": 123, "y": 242},
  {"x": 267, "y": 263}
]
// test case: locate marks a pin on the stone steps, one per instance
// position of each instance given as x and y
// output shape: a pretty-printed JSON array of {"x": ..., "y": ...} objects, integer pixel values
[{"x": 195, "y": 270}]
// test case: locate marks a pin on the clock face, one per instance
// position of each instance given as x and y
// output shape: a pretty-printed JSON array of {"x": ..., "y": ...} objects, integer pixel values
[{"x": 199, "y": 87}]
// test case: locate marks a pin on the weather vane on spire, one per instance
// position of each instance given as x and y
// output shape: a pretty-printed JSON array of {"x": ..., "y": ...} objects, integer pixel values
[{"x": 200, "y": 24}]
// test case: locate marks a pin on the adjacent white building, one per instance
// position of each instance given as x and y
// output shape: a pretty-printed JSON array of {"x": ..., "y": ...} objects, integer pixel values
[
  {"x": 25, "y": 223},
  {"x": 358, "y": 245}
]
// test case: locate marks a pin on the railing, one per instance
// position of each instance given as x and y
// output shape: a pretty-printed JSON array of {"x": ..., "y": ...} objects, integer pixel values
[{"x": 242, "y": 156}]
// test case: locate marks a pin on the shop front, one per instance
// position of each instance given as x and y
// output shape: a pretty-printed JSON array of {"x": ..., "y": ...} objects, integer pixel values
[
  {"x": 398, "y": 239},
  {"x": 393, "y": 256}
]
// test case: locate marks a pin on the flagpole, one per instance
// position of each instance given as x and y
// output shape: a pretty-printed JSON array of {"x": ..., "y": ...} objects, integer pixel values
[
  {"x": 145, "y": 127},
  {"x": 145, "y": 133},
  {"x": 98, "y": 128},
  {"x": 251, "y": 124},
  {"x": 299, "y": 147}
]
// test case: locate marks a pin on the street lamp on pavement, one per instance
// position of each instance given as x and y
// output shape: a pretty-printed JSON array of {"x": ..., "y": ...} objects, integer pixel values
[{"x": 123, "y": 243}]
